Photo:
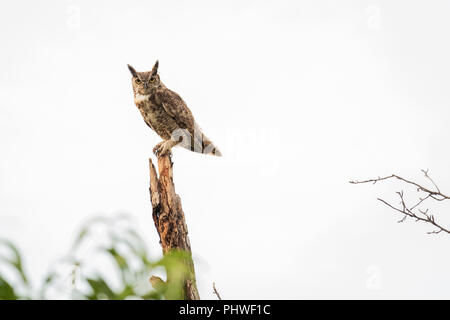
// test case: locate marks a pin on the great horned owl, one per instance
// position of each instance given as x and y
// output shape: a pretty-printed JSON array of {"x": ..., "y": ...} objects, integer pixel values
[{"x": 167, "y": 114}]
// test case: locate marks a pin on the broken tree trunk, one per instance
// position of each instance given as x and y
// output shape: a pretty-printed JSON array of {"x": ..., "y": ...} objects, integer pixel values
[{"x": 170, "y": 222}]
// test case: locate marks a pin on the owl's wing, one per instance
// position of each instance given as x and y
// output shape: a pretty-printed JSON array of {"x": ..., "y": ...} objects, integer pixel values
[
  {"x": 148, "y": 123},
  {"x": 177, "y": 109}
]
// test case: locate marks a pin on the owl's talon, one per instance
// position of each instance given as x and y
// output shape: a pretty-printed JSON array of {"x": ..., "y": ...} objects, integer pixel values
[
  {"x": 163, "y": 148},
  {"x": 156, "y": 149}
]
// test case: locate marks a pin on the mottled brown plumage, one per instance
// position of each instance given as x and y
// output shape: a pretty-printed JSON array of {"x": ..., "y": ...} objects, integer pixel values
[{"x": 167, "y": 114}]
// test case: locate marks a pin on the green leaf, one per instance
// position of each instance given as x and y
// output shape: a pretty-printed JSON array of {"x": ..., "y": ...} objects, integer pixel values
[
  {"x": 128, "y": 291},
  {"x": 118, "y": 258},
  {"x": 137, "y": 248},
  {"x": 6, "y": 290},
  {"x": 100, "y": 289},
  {"x": 176, "y": 263},
  {"x": 16, "y": 261}
]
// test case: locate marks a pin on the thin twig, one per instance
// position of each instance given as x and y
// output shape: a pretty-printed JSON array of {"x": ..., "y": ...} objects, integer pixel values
[{"x": 216, "y": 292}]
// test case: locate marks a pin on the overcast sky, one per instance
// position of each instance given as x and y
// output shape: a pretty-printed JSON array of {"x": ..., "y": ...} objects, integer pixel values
[{"x": 300, "y": 96}]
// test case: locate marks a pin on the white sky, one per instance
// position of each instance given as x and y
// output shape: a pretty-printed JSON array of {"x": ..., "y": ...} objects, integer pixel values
[{"x": 300, "y": 96}]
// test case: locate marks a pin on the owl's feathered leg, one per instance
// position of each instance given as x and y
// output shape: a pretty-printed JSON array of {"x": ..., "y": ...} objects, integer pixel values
[{"x": 164, "y": 147}]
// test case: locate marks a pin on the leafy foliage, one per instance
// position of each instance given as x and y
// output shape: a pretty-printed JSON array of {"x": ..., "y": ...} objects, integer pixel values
[
  {"x": 12, "y": 261},
  {"x": 108, "y": 260}
]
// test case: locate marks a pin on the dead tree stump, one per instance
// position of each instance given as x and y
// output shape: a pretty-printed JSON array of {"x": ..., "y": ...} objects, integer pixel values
[{"x": 170, "y": 222}]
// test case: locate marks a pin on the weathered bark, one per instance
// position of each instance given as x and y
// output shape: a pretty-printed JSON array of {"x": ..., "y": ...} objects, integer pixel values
[{"x": 169, "y": 220}]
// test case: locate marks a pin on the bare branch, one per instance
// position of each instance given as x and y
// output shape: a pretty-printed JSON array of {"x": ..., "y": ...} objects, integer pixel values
[
  {"x": 414, "y": 211},
  {"x": 419, "y": 187}
]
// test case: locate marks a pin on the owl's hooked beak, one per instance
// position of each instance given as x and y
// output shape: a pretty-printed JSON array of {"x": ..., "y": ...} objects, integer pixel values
[{"x": 145, "y": 85}]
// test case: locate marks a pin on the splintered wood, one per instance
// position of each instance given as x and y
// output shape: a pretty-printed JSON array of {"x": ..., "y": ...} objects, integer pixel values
[{"x": 169, "y": 219}]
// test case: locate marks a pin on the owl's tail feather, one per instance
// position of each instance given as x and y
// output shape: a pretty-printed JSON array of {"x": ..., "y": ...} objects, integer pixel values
[
  {"x": 209, "y": 147},
  {"x": 201, "y": 144}
]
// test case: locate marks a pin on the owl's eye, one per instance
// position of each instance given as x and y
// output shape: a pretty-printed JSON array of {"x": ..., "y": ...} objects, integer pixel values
[
  {"x": 138, "y": 81},
  {"x": 152, "y": 80}
]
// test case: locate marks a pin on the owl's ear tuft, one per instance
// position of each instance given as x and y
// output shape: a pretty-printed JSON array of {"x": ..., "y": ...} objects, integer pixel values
[
  {"x": 133, "y": 72},
  {"x": 155, "y": 68}
]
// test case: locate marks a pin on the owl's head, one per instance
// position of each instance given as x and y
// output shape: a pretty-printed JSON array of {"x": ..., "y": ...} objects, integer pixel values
[{"x": 145, "y": 82}]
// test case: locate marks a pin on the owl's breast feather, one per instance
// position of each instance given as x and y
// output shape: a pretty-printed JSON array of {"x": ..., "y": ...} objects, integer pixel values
[{"x": 141, "y": 98}]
